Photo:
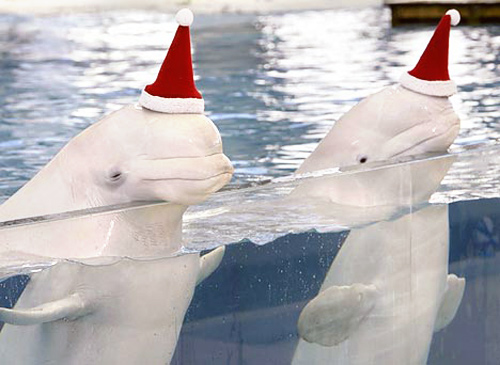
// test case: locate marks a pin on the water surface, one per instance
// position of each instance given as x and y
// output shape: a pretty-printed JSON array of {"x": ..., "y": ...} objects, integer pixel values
[{"x": 274, "y": 85}]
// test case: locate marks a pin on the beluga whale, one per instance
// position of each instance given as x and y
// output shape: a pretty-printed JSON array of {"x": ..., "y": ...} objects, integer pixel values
[
  {"x": 388, "y": 289},
  {"x": 119, "y": 293}
]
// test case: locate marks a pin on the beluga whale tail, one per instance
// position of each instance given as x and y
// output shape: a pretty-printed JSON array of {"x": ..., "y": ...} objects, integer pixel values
[
  {"x": 388, "y": 288},
  {"x": 129, "y": 309}
]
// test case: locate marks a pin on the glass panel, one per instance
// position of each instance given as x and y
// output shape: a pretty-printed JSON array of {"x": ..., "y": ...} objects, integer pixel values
[
  {"x": 322, "y": 283},
  {"x": 263, "y": 301}
]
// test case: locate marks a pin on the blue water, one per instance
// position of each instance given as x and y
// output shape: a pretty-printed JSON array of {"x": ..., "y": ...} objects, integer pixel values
[{"x": 274, "y": 89}]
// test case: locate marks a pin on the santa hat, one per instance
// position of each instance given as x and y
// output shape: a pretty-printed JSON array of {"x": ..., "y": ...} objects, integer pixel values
[
  {"x": 174, "y": 90},
  {"x": 430, "y": 75}
]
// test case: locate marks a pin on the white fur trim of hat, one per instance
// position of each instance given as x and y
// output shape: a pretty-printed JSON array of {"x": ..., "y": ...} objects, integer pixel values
[
  {"x": 172, "y": 105},
  {"x": 433, "y": 88}
]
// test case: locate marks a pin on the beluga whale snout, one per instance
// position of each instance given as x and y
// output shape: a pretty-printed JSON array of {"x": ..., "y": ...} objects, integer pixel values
[
  {"x": 122, "y": 297},
  {"x": 177, "y": 158}
]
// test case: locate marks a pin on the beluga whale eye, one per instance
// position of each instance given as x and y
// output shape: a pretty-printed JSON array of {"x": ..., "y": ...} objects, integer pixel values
[
  {"x": 115, "y": 176},
  {"x": 362, "y": 158}
]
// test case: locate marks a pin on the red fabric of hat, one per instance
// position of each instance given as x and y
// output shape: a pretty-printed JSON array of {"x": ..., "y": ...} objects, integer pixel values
[
  {"x": 430, "y": 76},
  {"x": 433, "y": 65},
  {"x": 175, "y": 79},
  {"x": 174, "y": 90}
]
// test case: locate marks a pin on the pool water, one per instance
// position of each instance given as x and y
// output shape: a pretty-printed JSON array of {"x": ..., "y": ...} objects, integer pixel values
[{"x": 274, "y": 85}]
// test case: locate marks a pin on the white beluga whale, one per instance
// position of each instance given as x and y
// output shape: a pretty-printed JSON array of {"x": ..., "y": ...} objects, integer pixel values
[
  {"x": 134, "y": 154},
  {"x": 388, "y": 288},
  {"x": 122, "y": 297}
]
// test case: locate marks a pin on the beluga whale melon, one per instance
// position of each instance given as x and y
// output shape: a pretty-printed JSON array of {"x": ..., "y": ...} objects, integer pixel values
[
  {"x": 122, "y": 297},
  {"x": 388, "y": 289}
]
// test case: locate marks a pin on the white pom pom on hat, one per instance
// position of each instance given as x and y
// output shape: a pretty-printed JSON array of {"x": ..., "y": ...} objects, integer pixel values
[
  {"x": 455, "y": 16},
  {"x": 184, "y": 17}
]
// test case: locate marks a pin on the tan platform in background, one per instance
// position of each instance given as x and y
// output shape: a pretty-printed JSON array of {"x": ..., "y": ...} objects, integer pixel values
[{"x": 473, "y": 12}]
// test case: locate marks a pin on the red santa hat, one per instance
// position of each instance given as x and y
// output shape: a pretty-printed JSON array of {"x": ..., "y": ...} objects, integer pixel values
[
  {"x": 174, "y": 90},
  {"x": 430, "y": 75}
]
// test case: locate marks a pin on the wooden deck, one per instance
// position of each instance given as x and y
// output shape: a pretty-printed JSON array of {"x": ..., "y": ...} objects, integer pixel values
[{"x": 473, "y": 12}]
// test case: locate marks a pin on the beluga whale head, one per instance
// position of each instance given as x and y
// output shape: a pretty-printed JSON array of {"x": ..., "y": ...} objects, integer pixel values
[
  {"x": 162, "y": 148},
  {"x": 410, "y": 118}
]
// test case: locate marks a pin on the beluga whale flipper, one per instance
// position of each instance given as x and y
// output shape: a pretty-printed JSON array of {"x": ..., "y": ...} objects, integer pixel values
[
  {"x": 388, "y": 289},
  {"x": 122, "y": 297},
  {"x": 335, "y": 314}
]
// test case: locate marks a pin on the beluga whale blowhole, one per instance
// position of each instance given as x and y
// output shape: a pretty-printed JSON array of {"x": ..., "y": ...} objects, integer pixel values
[
  {"x": 388, "y": 288},
  {"x": 128, "y": 309}
]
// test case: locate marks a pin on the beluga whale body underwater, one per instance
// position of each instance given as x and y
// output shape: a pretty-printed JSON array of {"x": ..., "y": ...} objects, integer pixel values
[
  {"x": 124, "y": 310},
  {"x": 388, "y": 289}
]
